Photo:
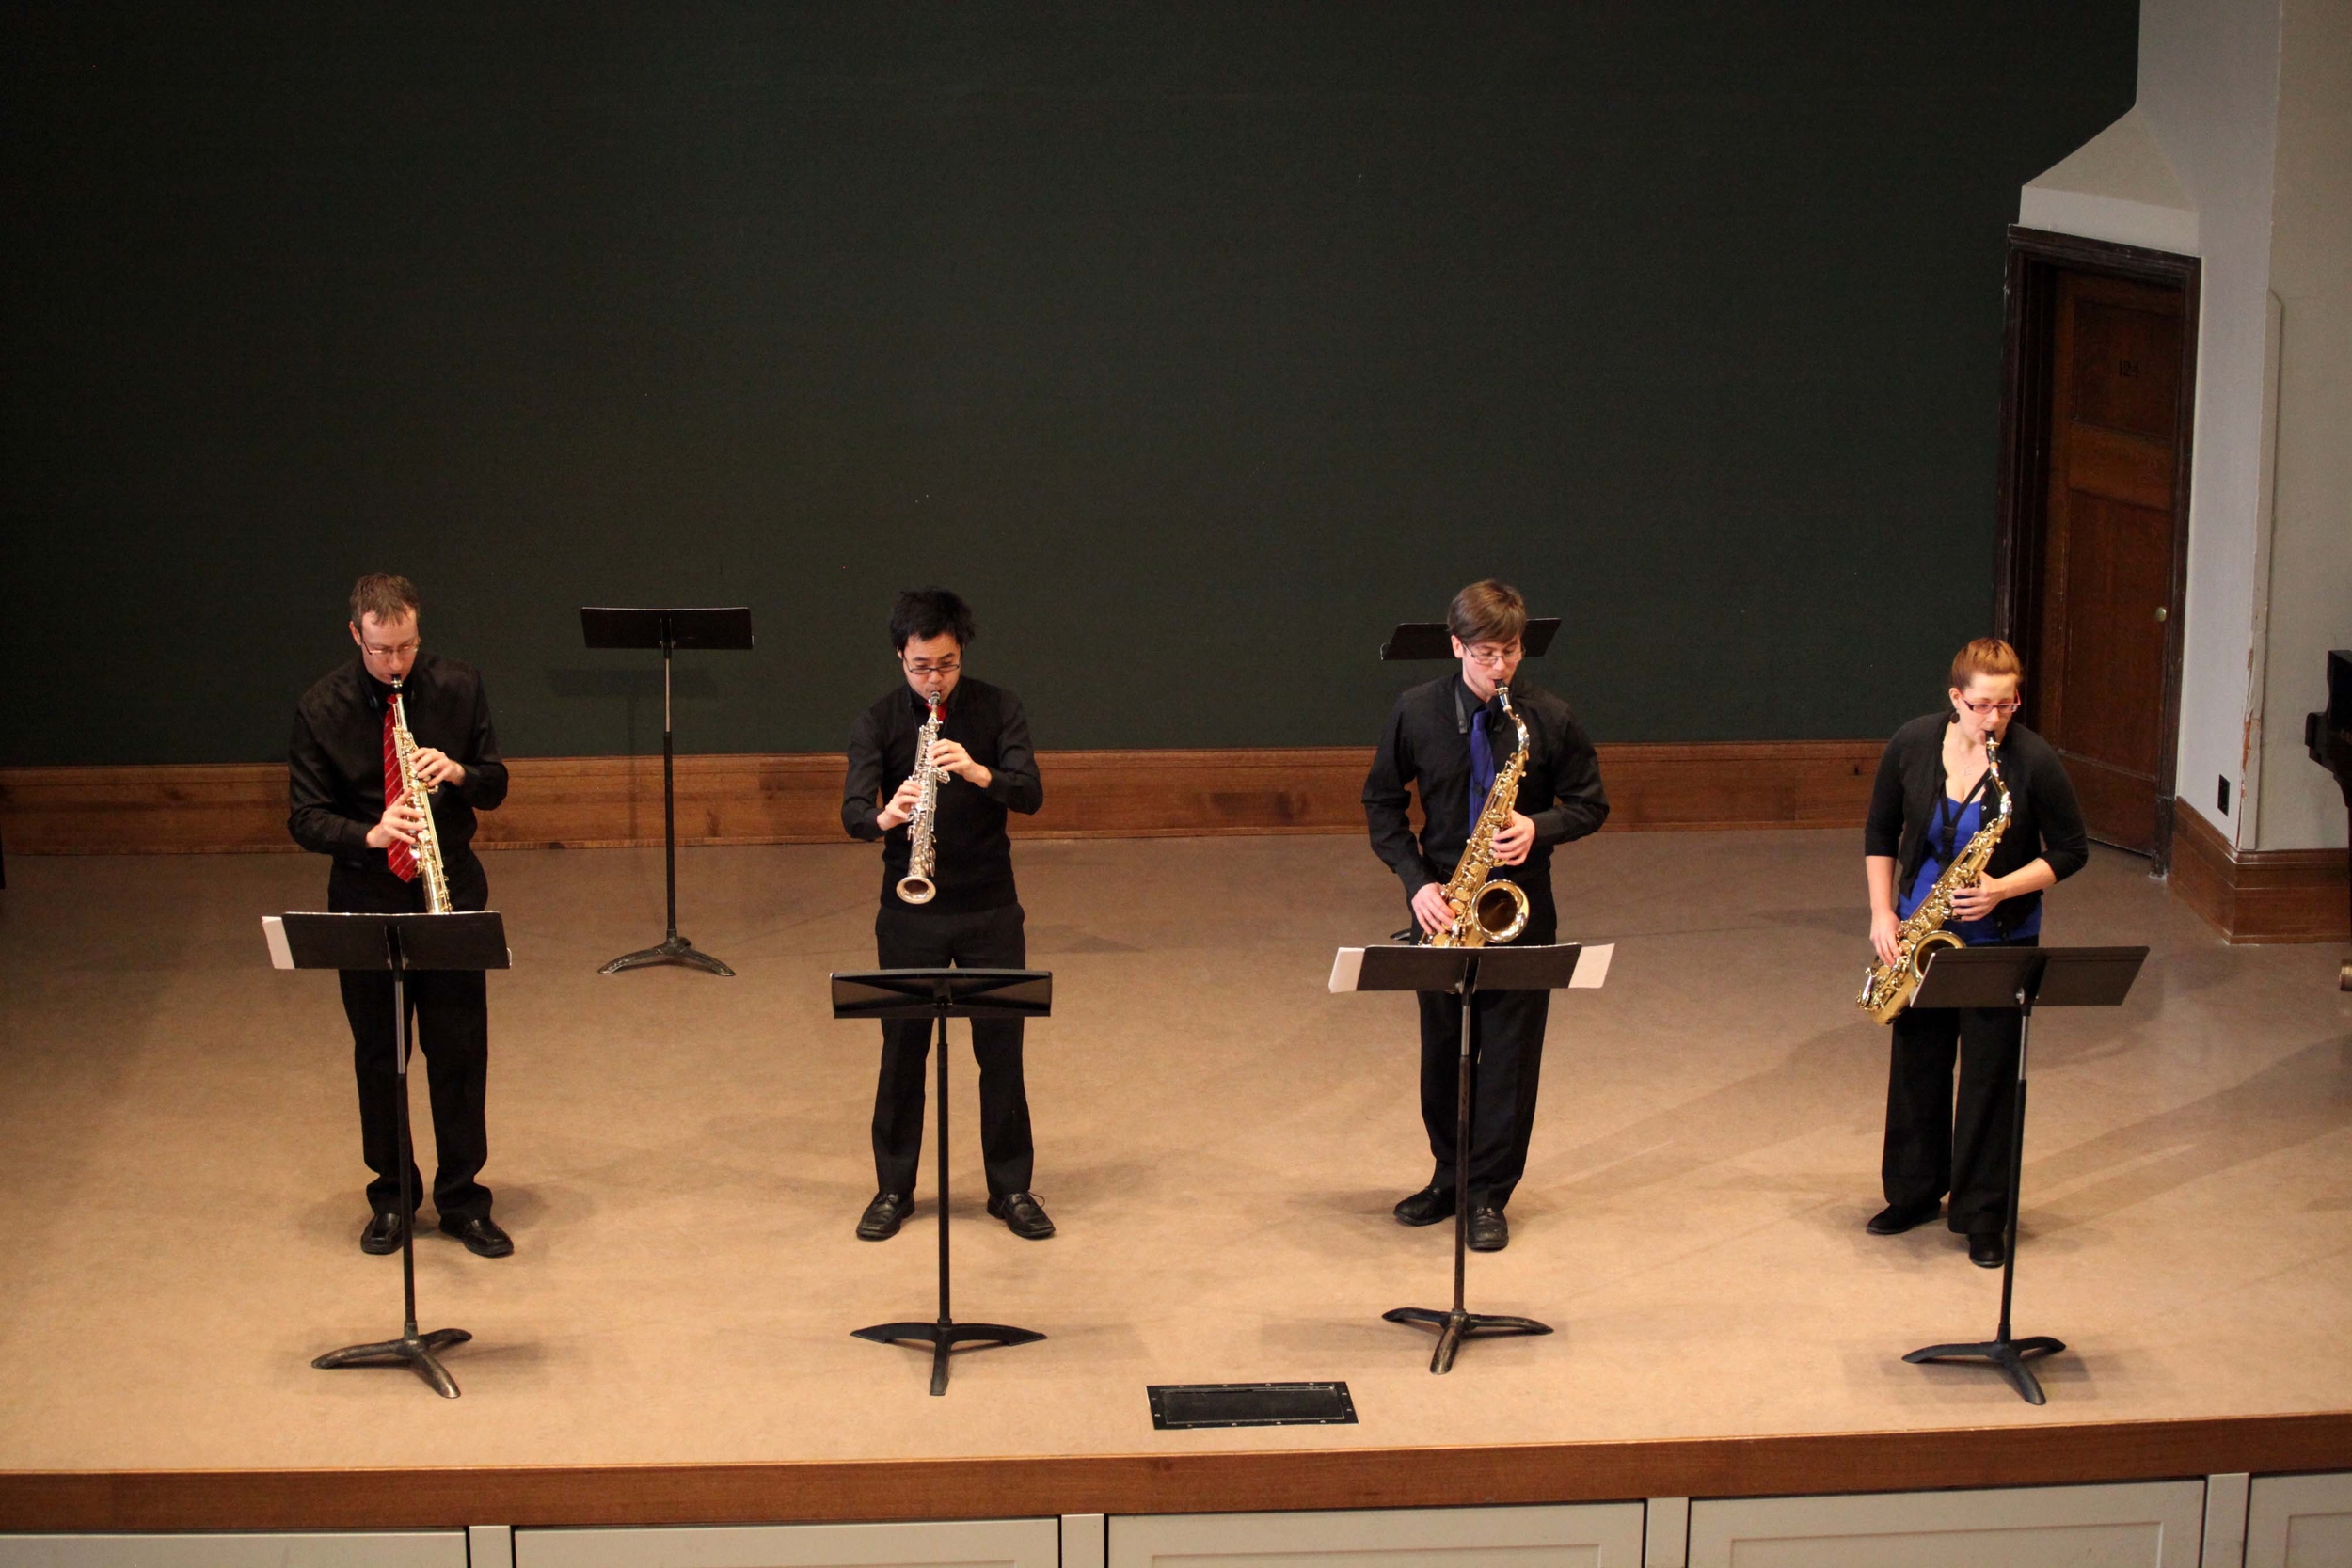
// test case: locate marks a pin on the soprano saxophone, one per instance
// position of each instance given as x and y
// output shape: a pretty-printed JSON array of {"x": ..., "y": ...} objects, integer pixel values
[
  {"x": 1488, "y": 908},
  {"x": 1887, "y": 989},
  {"x": 917, "y": 886},
  {"x": 420, "y": 797}
]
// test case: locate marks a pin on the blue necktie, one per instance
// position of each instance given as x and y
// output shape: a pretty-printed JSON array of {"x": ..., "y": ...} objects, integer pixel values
[{"x": 1482, "y": 770}]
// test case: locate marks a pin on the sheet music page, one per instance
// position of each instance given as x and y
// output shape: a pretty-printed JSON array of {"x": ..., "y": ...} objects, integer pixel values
[
  {"x": 1592, "y": 967},
  {"x": 1345, "y": 966},
  {"x": 273, "y": 932}
]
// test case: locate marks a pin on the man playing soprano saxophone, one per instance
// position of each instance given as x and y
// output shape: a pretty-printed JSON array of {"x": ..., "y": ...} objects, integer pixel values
[
  {"x": 346, "y": 802},
  {"x": 1449, "y": 737},
  {"x": 974, "y": 918}
]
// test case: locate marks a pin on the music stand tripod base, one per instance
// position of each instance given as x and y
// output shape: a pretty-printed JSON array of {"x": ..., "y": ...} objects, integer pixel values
[
  {"x": 2007, "y": 1357},
  {"x": 675, "y": 949},
  {"x": 942, "y": 1336},
  {"x": 419, "y": 1353},
  {"x": 1457, "y": 1325}
]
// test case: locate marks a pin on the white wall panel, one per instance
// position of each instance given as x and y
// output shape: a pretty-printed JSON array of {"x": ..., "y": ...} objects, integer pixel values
[
  {"x": 2149, "y": 1524},
  {"x": 1597, "y": 1535},
  {"x": 239, "y": 1550},
  {"x": 2299, "y": 1522},
  {"x": 965, "y": 1543}
]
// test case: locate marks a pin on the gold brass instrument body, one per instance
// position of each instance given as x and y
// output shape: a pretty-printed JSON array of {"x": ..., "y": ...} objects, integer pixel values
[
  {"x": 427, "y": 849},
  {"x": 1887, "y": 989},
  {"x": 917, "y": 886},
  {"x": 1488, "y": 908}
]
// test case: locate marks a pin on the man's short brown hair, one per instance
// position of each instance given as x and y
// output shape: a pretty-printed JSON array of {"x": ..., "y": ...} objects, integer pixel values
[
  {"x": 1488, "y": 612},
  {"x": 384, "y": 595}
]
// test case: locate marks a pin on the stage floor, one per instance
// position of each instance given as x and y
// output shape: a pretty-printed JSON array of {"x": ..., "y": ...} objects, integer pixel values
[{"x": 681, "y": 1159}]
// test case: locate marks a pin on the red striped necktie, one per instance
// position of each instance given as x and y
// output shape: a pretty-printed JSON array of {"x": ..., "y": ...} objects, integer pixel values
[{"x": 402, "y": 859}]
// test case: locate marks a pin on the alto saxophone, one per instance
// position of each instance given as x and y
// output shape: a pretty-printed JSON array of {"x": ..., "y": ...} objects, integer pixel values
[
  {"x": 1887, "y": 989},
  {"x": 420, "y": 797},
  {"x": 1488, "y": 908},
  {"x": 917, "y": 886}
]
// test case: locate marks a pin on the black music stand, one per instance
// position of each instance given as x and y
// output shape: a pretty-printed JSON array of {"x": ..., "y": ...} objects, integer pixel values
[
  {"x": 399, "y": 943},
  {"x": 668, "y": 630},
  {"x": 1415, "y": 639},
  {"x": 943, "y": 994},
  {"x": 2024, "y": 978},
  {"x": 1465, "y": 971}
]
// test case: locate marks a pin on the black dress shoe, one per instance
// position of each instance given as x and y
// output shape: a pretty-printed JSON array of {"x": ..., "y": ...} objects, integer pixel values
[
  {"x": 1022, "y": 1214},
  {"x": 381, "y": 1236},
  {"x": 482, "y": 1236},
  {"x": 1985, "y": 1249},
  {"x": 1489, "y": 1231},
  {"x": 1896, "y": 1218},
  {"x": 883, "y": 1216},
  {"x": 1427, "y": 1207}
]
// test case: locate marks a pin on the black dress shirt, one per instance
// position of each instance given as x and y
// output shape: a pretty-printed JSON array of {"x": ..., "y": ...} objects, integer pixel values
[
  {"x": 1427, "y": 744},
  {"x": 2045, "y": 820},
  {"x": 973, "y": 851},
  {"x": 336, "y": 760}
]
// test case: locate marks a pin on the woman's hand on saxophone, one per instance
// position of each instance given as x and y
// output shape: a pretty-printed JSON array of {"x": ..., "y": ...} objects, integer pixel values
[
  {"x": 399, "y": 824},
  {"x": 1885, "y": 931},
  {"x": 1516, "y": 839},
  {"x": 899, "y": 807}
]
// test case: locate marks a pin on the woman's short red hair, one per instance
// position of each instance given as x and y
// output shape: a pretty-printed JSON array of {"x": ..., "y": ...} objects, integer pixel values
[{"x": 1986, "y": 655}]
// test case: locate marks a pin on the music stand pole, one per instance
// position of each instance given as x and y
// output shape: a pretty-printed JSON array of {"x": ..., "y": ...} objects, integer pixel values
[
  {"x": 1459, "y": 1323},
  {"x": 419, "y": 1353},
  {"x": 673, "y": 949}
]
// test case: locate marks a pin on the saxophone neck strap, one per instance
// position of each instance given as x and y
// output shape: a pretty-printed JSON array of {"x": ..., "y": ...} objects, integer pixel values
[{"x": 1948, "y": 812}]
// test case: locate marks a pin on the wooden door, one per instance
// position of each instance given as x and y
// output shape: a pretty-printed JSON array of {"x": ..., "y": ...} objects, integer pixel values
[{"x": 2109, "y": 546}]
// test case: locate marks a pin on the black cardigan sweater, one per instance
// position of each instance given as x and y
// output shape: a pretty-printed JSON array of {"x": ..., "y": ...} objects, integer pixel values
[{"x": 2046, "y": 821}]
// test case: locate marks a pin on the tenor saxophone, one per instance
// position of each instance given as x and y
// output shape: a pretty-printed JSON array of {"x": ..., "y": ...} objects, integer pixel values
[
  {"x": 1887, "y": 989},
  {"x": 1488, "y": 908},
  {"x": 420, "y": 796},
  {"x": 917, "y": 886}
]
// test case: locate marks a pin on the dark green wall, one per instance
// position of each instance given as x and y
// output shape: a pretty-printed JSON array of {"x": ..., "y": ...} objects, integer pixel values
[{"x": 1195, "y": 346}]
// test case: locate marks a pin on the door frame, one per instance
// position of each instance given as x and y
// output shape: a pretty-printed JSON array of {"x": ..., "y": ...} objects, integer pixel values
[{"x": 2028, "y": 328}]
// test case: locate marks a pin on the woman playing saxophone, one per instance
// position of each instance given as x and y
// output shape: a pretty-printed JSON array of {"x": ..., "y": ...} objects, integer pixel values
[{"x": 1938, "y": 792}]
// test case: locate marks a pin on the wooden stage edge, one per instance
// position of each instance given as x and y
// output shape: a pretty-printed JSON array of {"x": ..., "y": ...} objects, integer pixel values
[
  {"x": 820, "y": 1491},
  {"x": 795, "y": 797}
]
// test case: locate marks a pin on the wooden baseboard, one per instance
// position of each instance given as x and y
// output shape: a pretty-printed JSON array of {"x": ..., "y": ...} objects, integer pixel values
[
  {"x": 795, "y": 797},
  {"x": 2260, "y": 895},
  {"x": 814, "y": 1492}
]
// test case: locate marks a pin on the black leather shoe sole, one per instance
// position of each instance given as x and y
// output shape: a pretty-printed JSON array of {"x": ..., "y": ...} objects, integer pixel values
[
  {"x": 382, "y": 1236},
  {"x": 1427, "y": 1207},
  {"x": 1894, "y": 1221}
]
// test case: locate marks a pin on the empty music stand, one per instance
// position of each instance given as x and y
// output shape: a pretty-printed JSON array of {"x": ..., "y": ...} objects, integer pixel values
[
  {"x": 668, "y": 630},
  {"x": 1465, "y": 971},
  {"x": 1414, "y": 640},
  {"x": 943, "y": 994},
  {"x": 399, "y": 943},
  {"x": 2024, "y": 978}
]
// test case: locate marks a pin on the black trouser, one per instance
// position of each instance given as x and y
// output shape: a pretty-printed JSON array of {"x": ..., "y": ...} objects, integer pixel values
[
  {"x": 450, "y": 1015},
  {"x": 1937, "y": 1144},
  {"x": 1506, "y": 1066},
  {"x": 906, "y": 937}
]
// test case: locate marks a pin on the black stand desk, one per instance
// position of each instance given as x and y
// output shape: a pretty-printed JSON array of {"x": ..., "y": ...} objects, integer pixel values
[
  {"x": 943, "y": 994},
  {"x": 669, "y": 630},
  {"x": 1465, "y": 971},
  {"x": 2024, "y": 978},
  {"x": 399, "y": 943}
]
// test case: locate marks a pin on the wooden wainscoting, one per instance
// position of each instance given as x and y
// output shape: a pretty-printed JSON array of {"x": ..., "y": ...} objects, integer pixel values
[
  {"x": 795, "y": 797},
  {"x": 2260, "y": 895}
]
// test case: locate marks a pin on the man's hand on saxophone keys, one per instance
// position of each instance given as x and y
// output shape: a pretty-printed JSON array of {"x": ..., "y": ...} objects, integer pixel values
[
  {"x": 435, "y": 766},
  {"x": 899, "y": 807},
  {"x": 950, "y": 757},
  {"x": 1516, "y": 839},
  {"x": 399, "y": 824},
  {"x": 1431, "y": 909}
]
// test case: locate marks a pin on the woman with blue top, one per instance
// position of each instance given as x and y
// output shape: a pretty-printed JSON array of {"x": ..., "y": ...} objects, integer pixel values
[{"x": 1933, "y": 794}]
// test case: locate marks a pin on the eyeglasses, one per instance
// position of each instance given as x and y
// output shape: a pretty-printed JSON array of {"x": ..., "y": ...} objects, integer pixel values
[
  {"x": 1981, "y": 708},
  {"x": 1486, "y": 654},
  {"x": 377, "y": 651},
  {"x": 924, "y": 667}
]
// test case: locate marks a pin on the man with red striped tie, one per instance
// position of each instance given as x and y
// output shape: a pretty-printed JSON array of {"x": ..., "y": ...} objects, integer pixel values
[{"x": 346, "y": 802}]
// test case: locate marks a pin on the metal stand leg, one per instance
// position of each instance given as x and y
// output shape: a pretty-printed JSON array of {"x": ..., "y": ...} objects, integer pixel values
[
  {"x": 947, "y": 1333},
  {"x": 1459, "y": 1323},
  {"x": 415, "y": 1350},
  {"x": 2008, "y": 1356},
  {"x": 673, "y": 949}
]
